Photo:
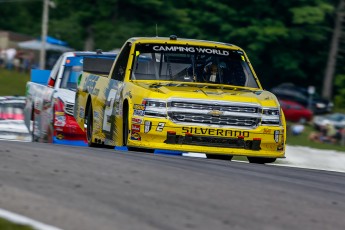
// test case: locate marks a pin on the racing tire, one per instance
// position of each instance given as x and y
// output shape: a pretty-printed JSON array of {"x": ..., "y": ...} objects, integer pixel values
[
  {"x": 219, "y": 157},
  {"x": 125, "y": 127},
  {"x": 89, "y": 126},
  {"x": 33, "y": 137},
  {"x": 261, "y": 160}
]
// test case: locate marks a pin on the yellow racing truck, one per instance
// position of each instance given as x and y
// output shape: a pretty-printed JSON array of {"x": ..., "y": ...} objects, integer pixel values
[{"x": 181, "y": 95}]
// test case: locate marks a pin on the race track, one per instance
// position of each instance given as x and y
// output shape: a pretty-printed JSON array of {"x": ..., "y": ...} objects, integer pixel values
[{"x": 87, "y": 188}]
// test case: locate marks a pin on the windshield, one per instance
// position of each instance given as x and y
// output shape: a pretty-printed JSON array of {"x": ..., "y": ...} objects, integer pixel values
[{"x": 192, "y": 64}]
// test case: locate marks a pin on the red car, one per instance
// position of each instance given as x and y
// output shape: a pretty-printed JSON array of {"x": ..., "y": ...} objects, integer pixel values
[{"x": 295, "y": 112}]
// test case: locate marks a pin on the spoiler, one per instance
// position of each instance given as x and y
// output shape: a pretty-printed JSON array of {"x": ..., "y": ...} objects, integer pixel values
[{"x": 98, "y": 65}]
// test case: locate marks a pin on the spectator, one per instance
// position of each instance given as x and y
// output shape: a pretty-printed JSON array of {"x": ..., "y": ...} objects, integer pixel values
[
  {"x": 10, "y": 55},
  {"x": 2, "y": 57},
  {"x": 297, "y": 129}
]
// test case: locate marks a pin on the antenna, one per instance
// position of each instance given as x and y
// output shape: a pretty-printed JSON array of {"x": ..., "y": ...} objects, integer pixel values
[{"x": 156, "y": 30}]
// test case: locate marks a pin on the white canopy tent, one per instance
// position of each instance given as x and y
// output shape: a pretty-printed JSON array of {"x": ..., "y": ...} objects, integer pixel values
[{"x": 36, "y": 45}]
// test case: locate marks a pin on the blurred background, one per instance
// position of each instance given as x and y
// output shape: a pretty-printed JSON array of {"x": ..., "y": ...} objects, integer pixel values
[{"x": 296, "y": 47}]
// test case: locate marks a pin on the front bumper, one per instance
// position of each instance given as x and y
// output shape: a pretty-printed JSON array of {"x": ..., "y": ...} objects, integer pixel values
[{"x": 264, "y": 141}]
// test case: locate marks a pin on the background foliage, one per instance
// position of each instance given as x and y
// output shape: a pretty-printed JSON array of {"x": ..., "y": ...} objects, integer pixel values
[{"x": 287, "y": 41}]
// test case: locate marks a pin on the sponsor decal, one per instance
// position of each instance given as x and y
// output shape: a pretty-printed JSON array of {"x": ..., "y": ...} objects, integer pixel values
[
  {"x": 135, "y": 137},
  {"x": 138, "y": 112},
  {"x": 160, "y": 126},
  {"x": 137, "y": 120},
  {"x": 267, "y": 131},
  {"x": 215, "y": 132},
  {"x": 60, "y": 121},
  {"x": 95, "y": 114},
  {"x": 135, "y": 128},
  {"x": 148, "y": 125},
  {"x": 139, "y": 107},
  {"x": 81, "y": 112},
  {"x": 59, "y": 113},
  {"x": 60, "y": 136},
  {"x": 191, "y": 49}
]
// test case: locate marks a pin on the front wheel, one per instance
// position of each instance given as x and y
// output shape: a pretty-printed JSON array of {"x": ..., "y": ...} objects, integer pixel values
[
  {"x": 261, "y": 160},
  {"x": 125, "y": 127},
  {"x": 219, "y": 157}
]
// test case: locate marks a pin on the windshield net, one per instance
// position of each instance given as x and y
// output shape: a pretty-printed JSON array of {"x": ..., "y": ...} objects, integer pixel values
[{"x": 192, "y": 64}]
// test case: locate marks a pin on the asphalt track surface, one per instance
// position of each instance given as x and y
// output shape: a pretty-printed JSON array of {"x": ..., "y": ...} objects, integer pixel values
[{"x": 99, "y": 189}]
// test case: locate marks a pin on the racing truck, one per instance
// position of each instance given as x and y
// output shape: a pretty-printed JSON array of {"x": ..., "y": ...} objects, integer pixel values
[
  {"x": 50, "y": 98},
  {"x": 181, "y": 95}
]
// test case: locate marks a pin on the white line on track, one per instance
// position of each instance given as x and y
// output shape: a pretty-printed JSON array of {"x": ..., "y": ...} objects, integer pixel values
[{"x": 19, "y": 219}]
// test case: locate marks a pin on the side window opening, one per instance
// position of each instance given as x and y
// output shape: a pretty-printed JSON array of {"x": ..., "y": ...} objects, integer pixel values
[{"x": 121, "y": 63}]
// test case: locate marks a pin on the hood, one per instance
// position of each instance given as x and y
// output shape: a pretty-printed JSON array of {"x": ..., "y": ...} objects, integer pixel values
[
  {"x": 210, "y": 92},
  {"x": 66, "y": 95}
]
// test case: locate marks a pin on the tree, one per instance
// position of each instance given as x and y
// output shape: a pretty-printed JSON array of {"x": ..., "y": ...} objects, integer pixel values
[{"x": 333, "y": 53}]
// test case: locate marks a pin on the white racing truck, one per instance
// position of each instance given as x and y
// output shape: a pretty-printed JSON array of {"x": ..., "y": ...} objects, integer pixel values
[{"x": 50, "y": 98}]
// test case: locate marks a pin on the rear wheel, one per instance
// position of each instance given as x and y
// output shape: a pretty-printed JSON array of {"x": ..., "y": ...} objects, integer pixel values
[
  {"x": 88, "y": 122},
  {"x": 219, "y": 157},
  {"x": 261, "y": 160},
  {"x": 33, "y": 136}
]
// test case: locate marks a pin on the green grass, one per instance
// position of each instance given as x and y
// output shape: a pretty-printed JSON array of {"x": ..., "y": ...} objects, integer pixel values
[
  {"x": 303, "y": 140},
  {"x": 6, "y": 225},
  {"x": 13, "y": 82}
]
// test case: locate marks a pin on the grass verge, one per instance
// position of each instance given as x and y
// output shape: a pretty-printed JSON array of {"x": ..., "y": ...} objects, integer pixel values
[
  {"x": 7, "y": 225},
  {"x": 13, "y": 82}
]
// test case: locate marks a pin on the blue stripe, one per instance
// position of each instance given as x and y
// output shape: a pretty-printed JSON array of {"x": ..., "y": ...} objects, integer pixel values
[{"x": 68, "y": 142}]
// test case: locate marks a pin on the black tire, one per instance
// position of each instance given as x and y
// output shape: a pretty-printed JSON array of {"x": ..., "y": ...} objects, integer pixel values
[
  {"x": 33, "y": 137},
  {"x": 261, "y": 160},
  {"x": 89, "y": 126},
  {"x": 219, "y": 157},
  {"x": 125, "y": 126}
]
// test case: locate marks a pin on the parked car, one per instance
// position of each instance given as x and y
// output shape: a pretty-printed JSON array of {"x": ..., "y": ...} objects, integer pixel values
[
  {"x": 12, "y": 126},
  {"x": 296, "y": 112},
  {"x": 289, "y": 91},
  {"x": 336, "y": 119}
]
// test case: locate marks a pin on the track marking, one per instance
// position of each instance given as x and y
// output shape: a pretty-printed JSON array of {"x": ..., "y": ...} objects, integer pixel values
[{"x": 19, "y": 219}]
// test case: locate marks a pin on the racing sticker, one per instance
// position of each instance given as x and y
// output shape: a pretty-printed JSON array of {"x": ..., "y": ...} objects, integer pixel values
[
  {"x": 138, "y": 112},
  {"x": 214, "y": 132},
  {"x": 60, "y": 136},
  {"x": 139, "y": 106},
  {"x": 135, "y": 128},
  {"x": 81, "y": 112},
  {"x": 148, "y": 125},
  {"x": 135, "y": 136},
  {"x": 137, "y": 120},
  {"x": 160, "y": 126},
  {"x": 60, "y": 121}
]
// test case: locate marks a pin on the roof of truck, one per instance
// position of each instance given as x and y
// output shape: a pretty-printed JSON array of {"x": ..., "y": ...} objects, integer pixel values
[{"x": 182, "y": 41}]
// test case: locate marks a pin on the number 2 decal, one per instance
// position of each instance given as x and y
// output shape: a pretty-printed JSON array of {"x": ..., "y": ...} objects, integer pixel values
[
  {"x": 160, "y": 126},
  {"x": 109, "y": 110}
]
